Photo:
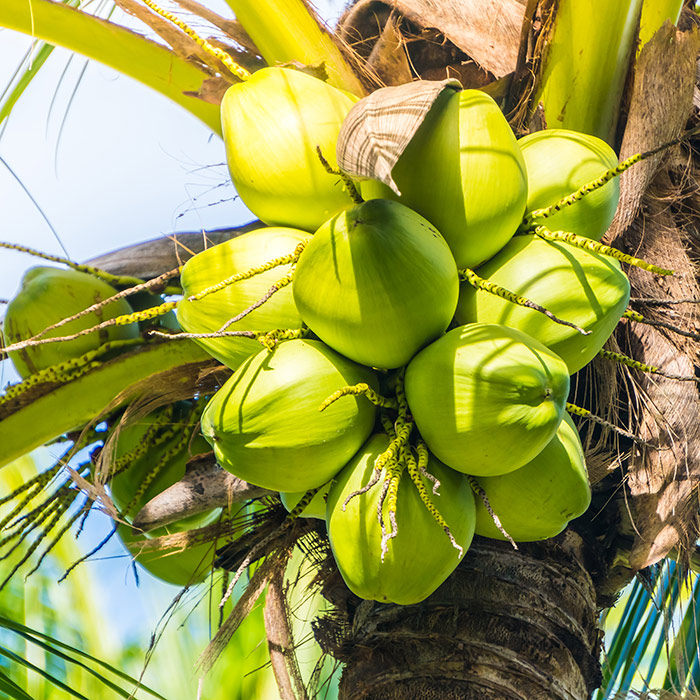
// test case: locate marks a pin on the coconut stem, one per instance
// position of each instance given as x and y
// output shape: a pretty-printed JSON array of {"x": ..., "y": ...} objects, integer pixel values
[
  {"x": 599, "y": 182},
  {"x": 389, "y": 497},
  {"x": 596, "y": 247},
  {"x": 114, "y": 280},
  {"x": 636, "y": 316},
  {"x": 124, "y": 320},
  {"x": 492, "y": 288},
  {"x": 651, "y": 369},
  {"x": 361, "y": 389},
  {"x": 347, "y": 180},
  {"x": 479, "y": 491},
  {"x": 585, "y": 413},
  {"x": 65, "y": 371},
  {"x": 145, "y": 286},
  {"x": 423, "y": 455},
  {"x": 241, "y": 73},
  {"x": 254, "y": 271},
  {"x": 415, "y": 474}
]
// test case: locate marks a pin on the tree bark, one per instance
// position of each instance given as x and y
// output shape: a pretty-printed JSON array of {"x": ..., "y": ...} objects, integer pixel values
[{"x": 507, "y": 625}]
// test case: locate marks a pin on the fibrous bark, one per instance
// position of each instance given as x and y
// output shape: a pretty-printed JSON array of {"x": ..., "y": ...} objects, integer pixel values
[{"x": 508, "y": 624}]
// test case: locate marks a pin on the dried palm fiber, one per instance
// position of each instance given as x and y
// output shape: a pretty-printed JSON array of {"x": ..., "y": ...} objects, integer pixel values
[
  {"x": 474, "y": 41},
  {"x": 662, "y": 487}
]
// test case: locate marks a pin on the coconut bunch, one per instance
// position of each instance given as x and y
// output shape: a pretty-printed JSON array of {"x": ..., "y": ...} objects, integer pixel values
[
  {"x": 401, "y": 332},
  {"x": 419, "y": 329}
]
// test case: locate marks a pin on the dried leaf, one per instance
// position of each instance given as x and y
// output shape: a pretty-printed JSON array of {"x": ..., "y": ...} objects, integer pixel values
[
  {"x": 379, "y": 127},
  {"x": 662, "y": 483},
  {"x": 486, "y": 31}
]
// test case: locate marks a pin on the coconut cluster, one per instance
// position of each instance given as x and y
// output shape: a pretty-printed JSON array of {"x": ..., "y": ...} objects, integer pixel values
[
  {"x": 409, "y": 391},
  {"x": 401, "y": 358}
]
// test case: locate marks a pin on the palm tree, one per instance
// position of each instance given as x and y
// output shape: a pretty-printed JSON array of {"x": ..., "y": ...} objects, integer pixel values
[{"x": 506, "y": 624}]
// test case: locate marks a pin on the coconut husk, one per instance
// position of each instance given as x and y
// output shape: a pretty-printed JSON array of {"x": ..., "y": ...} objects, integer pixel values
[
  {"x": 662, "y": 483},
  {"x": 475, "y": 41}
]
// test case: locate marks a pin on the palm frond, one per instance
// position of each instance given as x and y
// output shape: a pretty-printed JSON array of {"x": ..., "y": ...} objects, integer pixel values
[
  {"x": 654, "y": 646},
  {"x": 130, "y": 53}
]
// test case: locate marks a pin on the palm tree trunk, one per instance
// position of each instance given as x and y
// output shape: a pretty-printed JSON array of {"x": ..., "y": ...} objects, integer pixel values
[{"x": 508, "y": 624}]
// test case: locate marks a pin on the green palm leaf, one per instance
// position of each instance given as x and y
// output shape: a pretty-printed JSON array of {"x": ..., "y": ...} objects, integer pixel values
[
  {"x": 121, "y": 49},
  {"x": 69, "y": 654}
]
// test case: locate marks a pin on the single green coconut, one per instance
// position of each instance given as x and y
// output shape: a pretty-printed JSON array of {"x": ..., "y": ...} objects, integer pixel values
[
  {"x": 559, "y": 162},
  {"x": 377, "y": 283},
  {"x": 486, "y": 398},
  {"x": 265, "y": 425},
  {"x": 233, "y": 257},
  {"x": 537, "y": 500},
  {"x": 315, "y": 509},
  {"x": 463, "y": 171},
  {"x": 272, "y": 126},
  {"x": 50, "y": 294},
  {"x": 421, "y": 555},
  {"x": 576, "y": 285},
  {"x": 177, "y": 566}
]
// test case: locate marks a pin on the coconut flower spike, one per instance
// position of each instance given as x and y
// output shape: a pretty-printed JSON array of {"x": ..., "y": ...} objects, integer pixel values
[
  {"x": 479, "y": 491},
  {"x": 377, "y": 472},
  {"x": 596, "y": 247},
  {"x": 253, "y": 272},
  {"x": 492, "y": 288},
  {"x": 650, "y": 369},
  {"x": 361, "y": 389},
  {"x": 346, "y": 179},
  {"x": 414, "y": 473},
  {"x": 546, "y": 212},
  {"x": 585, "y": 413},
  {"x": 124, "y": 320},
  {"x": 638, "y": 318}
]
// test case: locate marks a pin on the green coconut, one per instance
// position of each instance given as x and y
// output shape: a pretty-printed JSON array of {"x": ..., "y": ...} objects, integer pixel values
[
  {"x": 272, "y": 125},
  {"x": 421, "y": 555},
  {"x": 576, "y": 285},
  {"x": 315, "y": 509},
  {"x": 48, "y": 295},
  {"x": 222, "y": 261},
  {"x": 538, "y": 500},
  {"x": 486, "y": 398},
  {"x": 377, "y": 283},
  {"x": 463, "y": 171},
  {"x": 559, "y": 162},
  {"x": 177, "y": 566},
  {"x": 265, "y": 426}
]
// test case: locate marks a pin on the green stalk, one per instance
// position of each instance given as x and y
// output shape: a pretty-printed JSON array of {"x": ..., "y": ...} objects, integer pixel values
[
  {"x": 288, "y": 30},
  {"x": 654, "y": 14},
  {"x": 585, "y": 64},
  {"x": 117, "y": 47}
]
